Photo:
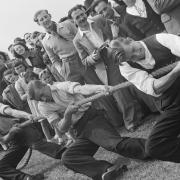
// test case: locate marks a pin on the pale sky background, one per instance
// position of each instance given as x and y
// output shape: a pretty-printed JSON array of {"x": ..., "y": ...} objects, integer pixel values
[{"x": 16, "y": 16}]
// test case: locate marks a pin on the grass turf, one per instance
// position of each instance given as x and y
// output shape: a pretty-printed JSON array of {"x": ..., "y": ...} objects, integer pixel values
[{"x": 137, "y": 170}]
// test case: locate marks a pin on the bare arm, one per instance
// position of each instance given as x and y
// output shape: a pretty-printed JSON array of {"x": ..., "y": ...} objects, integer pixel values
[
  {"x": 76, "y": 88},
  {"x": 16, "y": 113},
  {"x": 165, "y": 82}
]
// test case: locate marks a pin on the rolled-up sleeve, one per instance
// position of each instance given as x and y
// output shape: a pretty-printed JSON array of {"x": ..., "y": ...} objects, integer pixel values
[
  {"x": 170, "y": 41},
  {"x": 77, "y": 88},
  {"x": 141, "y": 79},
  {"x": 2, "y": 108},
  {"x": 48, "y": 112}
]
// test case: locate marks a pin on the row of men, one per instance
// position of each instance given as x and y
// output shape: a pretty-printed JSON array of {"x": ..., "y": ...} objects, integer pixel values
[{"x": 62, "y": 48}]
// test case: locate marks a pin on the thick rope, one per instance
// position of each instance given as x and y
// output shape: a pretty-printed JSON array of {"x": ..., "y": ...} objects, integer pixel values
[{"x": 26, "y": 160}]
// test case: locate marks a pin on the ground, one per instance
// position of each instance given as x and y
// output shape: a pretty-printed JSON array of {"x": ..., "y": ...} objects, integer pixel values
[{"x": 137, "y": 170}]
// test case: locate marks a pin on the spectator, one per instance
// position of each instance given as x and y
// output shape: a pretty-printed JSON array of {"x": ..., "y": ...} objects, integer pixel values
[
  {"x": 115, "y": 17},
  {"x": 10, "y": 95},
  {"x": 3, "y": 67},
  {"x": 88, "y": 41},
  {"x": 169, "y": 11},
  {"x": 27, "y": 38},
  {"x": 20, "y": 84},
  {"x": 18, "y": 39},
  {"x": 141, "y": 19},
  {"x": 31, "y": 56},
  {"x": 59, "y": 48},
  {"x": 30, "y": 135}
]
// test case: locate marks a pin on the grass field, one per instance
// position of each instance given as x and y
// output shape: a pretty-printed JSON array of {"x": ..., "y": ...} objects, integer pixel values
[{"x": 156, "y": 170}]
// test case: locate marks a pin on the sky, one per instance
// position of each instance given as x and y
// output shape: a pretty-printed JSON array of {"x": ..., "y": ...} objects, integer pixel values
[{"x": 16, "y": 16}]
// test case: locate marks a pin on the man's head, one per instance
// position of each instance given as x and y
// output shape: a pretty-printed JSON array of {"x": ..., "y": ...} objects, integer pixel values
[
  {"x": 46, "y": 77},
  {"x": 27, "y": 38},
  {"x": 10, "y": 76},
  {"x": 104, "y": 8},
  {"x": 43, "y": 18},
  {"x": 19, "y": 67},
  {"x": 39, "y": 91},
  {"x": 133, "y": 50},
  {"x": 79, "y": 16}
]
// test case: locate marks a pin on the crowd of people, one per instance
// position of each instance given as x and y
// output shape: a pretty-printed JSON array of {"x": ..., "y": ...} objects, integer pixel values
[{"x": 45, "y": 87}]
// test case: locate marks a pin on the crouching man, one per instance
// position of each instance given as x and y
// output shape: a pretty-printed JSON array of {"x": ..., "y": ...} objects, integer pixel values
[
  {"x": 92, "y": 129},
  {"x": 23, "y": 138},
  {"x": 138, "y": 60}
]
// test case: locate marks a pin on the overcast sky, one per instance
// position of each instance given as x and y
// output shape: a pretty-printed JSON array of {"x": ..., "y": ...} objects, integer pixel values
[{"x": 16, "y": 16}]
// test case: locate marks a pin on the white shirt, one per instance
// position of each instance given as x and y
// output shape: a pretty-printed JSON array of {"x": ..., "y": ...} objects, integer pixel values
[
  {"x": 141, "y": 79},
  {"x": 138, "y": 9},
  {"x": 96, "y": 42},
  {"x": 92, "y": 35},
  {"x": 64, "y": 93}
]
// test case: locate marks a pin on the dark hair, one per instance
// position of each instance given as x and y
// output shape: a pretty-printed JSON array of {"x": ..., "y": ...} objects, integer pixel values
[
  {"x": 30, "y": 75},
  {"x": 5, "y": 55},
  {"x": 7, "y": 72},
  {"x": 35, "y": 34},
  {"x": 81, "y": 7},
  {"x": 32, "y": 87},
  {"x": 95, "y": 3},
  {"x": 63, "y": 19},
  {"x": 18, "y": 39},
  {"x": 26, "y": 33},
  {"x": 38, "y": 12},
  {"x": 16, "y": 54},
  {"x": 17, "y": 63}
]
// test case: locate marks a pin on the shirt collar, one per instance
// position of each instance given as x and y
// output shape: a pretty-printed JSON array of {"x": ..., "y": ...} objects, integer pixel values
[{"x": 81, "y": 32}]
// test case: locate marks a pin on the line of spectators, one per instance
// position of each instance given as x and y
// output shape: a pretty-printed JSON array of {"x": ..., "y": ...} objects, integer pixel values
[{"x": 54, "y": 70}]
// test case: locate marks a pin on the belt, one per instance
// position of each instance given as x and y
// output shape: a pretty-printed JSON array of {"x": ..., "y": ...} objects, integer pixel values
[{"x": 69, "y": 58}]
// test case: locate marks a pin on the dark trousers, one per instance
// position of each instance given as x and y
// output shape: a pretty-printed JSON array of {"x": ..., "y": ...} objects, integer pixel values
[
  {"x": 29, "y": 136},
  {"x": 73, "y": 70},
  {"x": 127, "y": 102},
  {"x": 107, "y": 103},
  {"x": 164, "y": 142},
  {"x": 93, "y": 131}
]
